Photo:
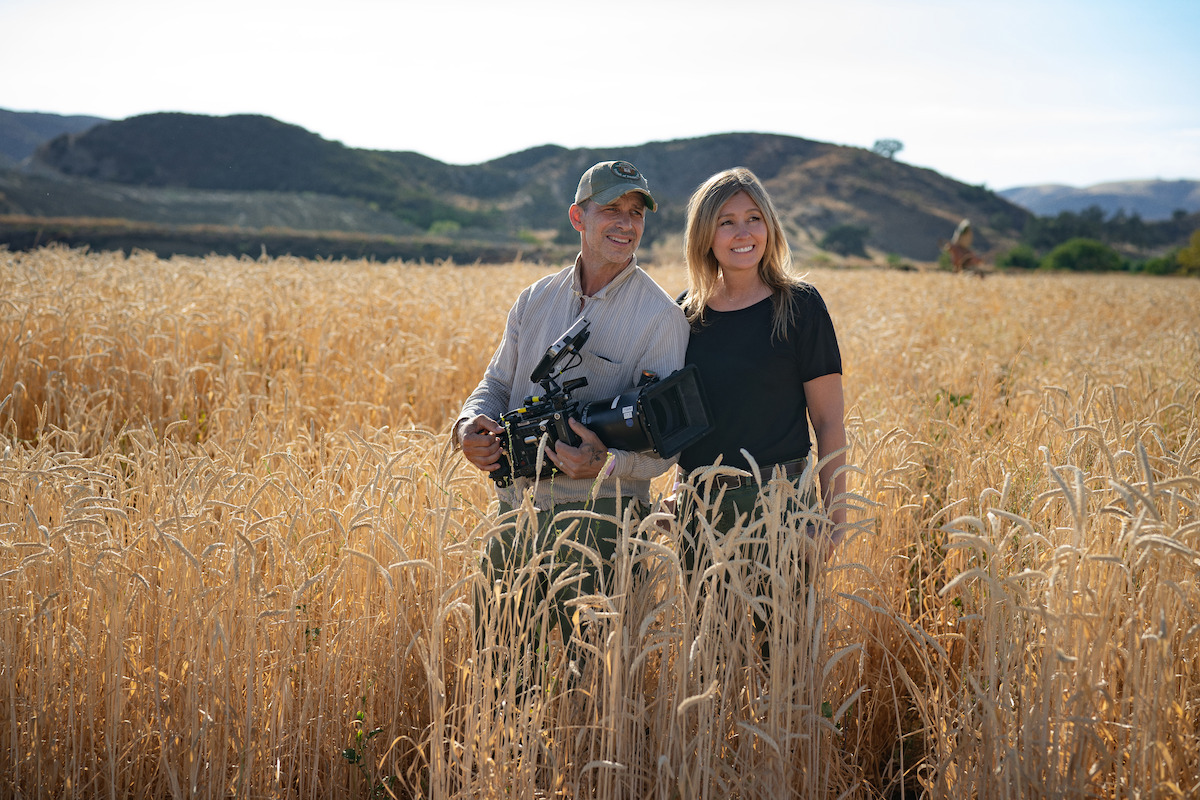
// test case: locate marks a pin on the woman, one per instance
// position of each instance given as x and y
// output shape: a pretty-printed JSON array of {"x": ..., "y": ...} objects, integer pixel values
[{"x": 766, "y": 350}]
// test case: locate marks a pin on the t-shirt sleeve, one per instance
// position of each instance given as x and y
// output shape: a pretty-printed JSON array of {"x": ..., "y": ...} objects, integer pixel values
[{"x": 817, "y": 351}]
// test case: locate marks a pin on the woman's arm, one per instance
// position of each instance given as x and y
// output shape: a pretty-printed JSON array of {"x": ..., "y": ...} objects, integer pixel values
[{"x": 827, "y": 409}]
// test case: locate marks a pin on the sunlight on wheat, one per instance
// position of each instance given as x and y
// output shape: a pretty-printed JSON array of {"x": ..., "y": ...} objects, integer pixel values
[{"x": 238, "y": 555}]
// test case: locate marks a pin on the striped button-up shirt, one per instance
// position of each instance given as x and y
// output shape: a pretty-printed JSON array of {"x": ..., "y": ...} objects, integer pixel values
[{"x": 635, "y": 326}]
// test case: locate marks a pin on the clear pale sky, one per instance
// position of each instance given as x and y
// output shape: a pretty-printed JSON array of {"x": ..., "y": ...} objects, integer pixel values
[{"x": 1005, "y": 93}]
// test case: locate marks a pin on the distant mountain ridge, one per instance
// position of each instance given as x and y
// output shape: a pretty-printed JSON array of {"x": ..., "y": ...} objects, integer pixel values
[
  {"x": 249, "y": 174},
  {"x": 142, "y": 167},
  {"x": 21, "y": 132},
  {"x": 1150, "y": 199}
]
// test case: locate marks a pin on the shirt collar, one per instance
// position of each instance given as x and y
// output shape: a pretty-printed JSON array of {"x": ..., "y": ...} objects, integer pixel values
[{"x": 621, "y": 277}]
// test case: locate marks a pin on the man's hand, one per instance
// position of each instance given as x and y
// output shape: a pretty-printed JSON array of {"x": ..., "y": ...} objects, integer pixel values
[
  {"x": 480, "y": 439},
  {"x": 584, "y": 461}
]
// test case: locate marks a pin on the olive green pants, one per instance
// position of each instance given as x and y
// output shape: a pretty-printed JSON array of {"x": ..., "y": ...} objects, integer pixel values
[
  {"x": 754, "y": 553},
  {"x": 527, "y": 566}
]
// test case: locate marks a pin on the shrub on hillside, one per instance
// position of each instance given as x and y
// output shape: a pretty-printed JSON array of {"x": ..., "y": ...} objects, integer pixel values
[
  {"x": 1163, "y": 265},
  {"x": 846, "y": 240},
  {"x": 1020, "y": 257},
  {"x": 1084, "y": 255}
]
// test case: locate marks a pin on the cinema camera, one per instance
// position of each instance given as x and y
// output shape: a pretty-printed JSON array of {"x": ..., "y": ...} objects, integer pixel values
[{"x": 663, "y": 416}]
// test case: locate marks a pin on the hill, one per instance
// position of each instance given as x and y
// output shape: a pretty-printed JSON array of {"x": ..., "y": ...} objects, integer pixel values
[
  {"x": 22, "y": 131},
  {"x": 191, "y": 169},
  {"x": 1151, "y": 200}
]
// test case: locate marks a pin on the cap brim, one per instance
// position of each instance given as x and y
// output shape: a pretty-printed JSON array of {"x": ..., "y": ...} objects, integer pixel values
[{"x": 613, "y": 192}]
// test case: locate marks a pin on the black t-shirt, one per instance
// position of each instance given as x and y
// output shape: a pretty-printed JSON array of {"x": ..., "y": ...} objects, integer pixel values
[{"x": 754, "y": 384}]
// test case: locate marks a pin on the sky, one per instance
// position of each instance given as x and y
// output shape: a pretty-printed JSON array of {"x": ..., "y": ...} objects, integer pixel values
[{"x": 1002, "y": 94}]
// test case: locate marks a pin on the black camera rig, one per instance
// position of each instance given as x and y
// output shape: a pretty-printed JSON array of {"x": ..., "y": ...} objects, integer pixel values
[{"x": 663, "y": 416}]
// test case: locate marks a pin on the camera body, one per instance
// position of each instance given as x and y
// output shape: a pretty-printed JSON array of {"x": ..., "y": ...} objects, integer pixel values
[
  {"x": 663, "y": 416},
  {"x": 524, "y": 428}
]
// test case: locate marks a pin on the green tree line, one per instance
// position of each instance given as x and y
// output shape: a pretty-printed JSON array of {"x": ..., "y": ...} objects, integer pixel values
[{"x": 1087, "y": 241}]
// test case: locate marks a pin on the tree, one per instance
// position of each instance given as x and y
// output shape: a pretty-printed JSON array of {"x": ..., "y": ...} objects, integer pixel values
[
  {"x": 1188, "y": 258},
  {"x": 1162, "y": 265},
  {"x": 1084, "y": 255},
  {"x": 1020, "y": 257},
  {"x": 887, "y": 147},
  {"x": 846, "y": 240}
]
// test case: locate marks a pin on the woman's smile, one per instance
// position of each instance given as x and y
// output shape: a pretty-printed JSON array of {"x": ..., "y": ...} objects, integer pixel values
[{"x": 741, "y": 235}]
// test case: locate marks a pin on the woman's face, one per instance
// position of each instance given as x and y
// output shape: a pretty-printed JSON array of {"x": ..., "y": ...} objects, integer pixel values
[{"x": 740, "y": 240}]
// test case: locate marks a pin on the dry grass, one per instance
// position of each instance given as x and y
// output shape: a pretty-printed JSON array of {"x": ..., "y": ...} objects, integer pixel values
[{"x": 237, "y": 555}]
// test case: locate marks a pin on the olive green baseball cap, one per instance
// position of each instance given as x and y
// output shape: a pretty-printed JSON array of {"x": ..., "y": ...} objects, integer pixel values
[{"x": 608, "y": 180}]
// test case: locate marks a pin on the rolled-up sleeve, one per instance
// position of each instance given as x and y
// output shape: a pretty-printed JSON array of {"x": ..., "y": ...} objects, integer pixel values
[
  {"x": 493, "y": 395},
  {"x": 664, "y": 348}
]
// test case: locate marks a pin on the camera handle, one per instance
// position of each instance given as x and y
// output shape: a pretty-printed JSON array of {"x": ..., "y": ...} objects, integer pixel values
[{"x": 545, "y": 415}]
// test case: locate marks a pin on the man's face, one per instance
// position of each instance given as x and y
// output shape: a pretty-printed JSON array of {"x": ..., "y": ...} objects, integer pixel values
[{"x": 610, "y": 235}]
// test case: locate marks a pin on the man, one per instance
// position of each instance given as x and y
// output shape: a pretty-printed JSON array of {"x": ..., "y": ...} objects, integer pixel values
[{"x": 635, "y": 327}]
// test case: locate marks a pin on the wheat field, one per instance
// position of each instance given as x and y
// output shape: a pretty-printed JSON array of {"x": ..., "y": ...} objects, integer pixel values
[{"x": 238, "y": 556}]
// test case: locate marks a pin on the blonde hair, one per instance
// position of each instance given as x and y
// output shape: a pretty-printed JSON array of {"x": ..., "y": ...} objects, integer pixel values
[{"x": 775, "y": 268}]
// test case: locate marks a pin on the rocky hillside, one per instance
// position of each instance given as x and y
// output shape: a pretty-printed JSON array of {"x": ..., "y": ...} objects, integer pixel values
[{"x": 193, "y": 169}]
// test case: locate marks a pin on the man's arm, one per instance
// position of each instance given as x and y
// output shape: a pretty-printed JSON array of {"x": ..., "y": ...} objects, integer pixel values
[
  {"x": 476, "y": 429},
  {"x": 666, "y": 345}
]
